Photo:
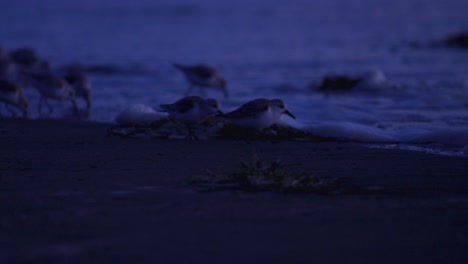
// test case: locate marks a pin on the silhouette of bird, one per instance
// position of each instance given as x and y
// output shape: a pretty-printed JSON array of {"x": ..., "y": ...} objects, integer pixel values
[
  {"x": 203, "y": 76},
  {"x": 78, "y": 80},
  {"x": 258, "y": 114},
  {"x": 52, "y": 87},
  {"x": 191, "y": 110}
]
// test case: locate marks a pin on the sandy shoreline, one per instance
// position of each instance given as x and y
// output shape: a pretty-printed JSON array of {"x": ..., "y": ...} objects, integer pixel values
[{"x": 71, "y": 194}]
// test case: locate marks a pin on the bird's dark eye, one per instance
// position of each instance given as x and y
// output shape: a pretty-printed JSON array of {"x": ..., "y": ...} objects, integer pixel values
[{"x": 281, "y": 106}]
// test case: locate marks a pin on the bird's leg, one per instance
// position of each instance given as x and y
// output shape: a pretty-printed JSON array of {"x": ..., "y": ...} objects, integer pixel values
[
  {"x": 88, "y": 104},
  {"x": 75, "y": 107},
  {"x": 190, "y": 135},
  {"x": 51, "y": 109},
  {"x": 40, "y": 104}
]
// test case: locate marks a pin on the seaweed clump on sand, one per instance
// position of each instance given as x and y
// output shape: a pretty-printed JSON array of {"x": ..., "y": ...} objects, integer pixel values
[
  {"x": 258, "y": 176},
  {"x": 456, "y": 40},
  {"x": 157, "y": 129},
  {"x": 142, "y": 121},
  {"x": 275, "y": 132},
  {"x": 459, "y": 40},
  {"x": 155, "y": 126},
  {"x": 334, "y": 83},
  {"x": 164, "y": 128}
]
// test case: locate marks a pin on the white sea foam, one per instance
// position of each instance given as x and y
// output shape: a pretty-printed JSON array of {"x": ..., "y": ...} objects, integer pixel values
[
  {"x": 138, "y": 114},
  {"x": 375, "y": 79},
  {"x": 365, "y": 133},
  {"x": 411, "y": 96},
  {"x": 454, "y": 138}
]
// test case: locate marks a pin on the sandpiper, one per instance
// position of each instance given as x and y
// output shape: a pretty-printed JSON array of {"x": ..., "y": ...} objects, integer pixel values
[
  {"x": 52, "y": 87},
  {"x": 258, "y": 114},
  {"x": 78, "y": 80},
  {"x": 203, "y": 76},
  {"x": 192, "y": 110},
  {"x": 12, "y": 94}
]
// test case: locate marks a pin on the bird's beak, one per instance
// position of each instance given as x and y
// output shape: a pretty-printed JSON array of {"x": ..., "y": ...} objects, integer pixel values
[
  {"x": 219, "y": 113},
  {"x": 289, "y": 114}
]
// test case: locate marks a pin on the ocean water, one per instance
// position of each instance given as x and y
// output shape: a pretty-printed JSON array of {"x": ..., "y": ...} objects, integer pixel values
[{"x": 272, "y": 49}]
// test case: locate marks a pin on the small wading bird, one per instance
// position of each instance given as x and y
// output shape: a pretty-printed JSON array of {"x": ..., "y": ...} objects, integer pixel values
[
  {"x": 12, "y": 94},
  {"x": 52, "y": 87},
  {"x": 78, "y": 80},
  {"x": 258, "y": 114},
  {"x": 191, "y": 110},
  {"x": 203, "y": 76}
]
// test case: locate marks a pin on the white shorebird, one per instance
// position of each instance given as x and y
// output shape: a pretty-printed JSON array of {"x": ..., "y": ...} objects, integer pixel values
[
  {"x": 52, "y": 87},
  {"x": 203, "y": 76},
  {"x": 78, "y": 80},
  {"x": 12, "y": 94},
  {"x": 192, "y": 110},
  {"x": 258, "y": 114}
]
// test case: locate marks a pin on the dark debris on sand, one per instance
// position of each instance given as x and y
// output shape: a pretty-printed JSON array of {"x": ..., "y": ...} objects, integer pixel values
[
  {"x": 168, "y": 129},
  {"x": 258, "y": 176},
  {"x": 275, "y": 132}
]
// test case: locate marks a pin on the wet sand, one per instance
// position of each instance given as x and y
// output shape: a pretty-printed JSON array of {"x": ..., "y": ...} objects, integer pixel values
[{"x": 71, "y": 194}]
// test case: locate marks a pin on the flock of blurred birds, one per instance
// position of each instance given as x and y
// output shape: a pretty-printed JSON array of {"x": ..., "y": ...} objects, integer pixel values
[{"x": 22, "y": 67}]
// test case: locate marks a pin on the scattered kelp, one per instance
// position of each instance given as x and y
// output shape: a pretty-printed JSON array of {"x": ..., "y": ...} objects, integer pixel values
[
  {"x": 258, "y": 176},
  {"x": 338, "y": 83},
  {"x": 162, "y": 128},
  {"x": 456, "y": 40},
  {"x": 275, "y": 132},
  {"x": 151, "y": 126},
  {"x": 372, "y": 81}
]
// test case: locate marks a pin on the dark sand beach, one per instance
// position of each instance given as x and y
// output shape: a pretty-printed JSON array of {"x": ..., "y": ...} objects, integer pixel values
[{"x": 71, "y": 194}]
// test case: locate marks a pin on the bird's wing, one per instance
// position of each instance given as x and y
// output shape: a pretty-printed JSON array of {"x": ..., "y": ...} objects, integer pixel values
[
  {"x": 249, "y": 109},
  {"x": 182, "y": 106}
]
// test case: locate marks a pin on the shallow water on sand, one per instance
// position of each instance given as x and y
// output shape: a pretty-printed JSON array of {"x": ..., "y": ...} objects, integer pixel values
[{"x": 265, "y": 49}]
